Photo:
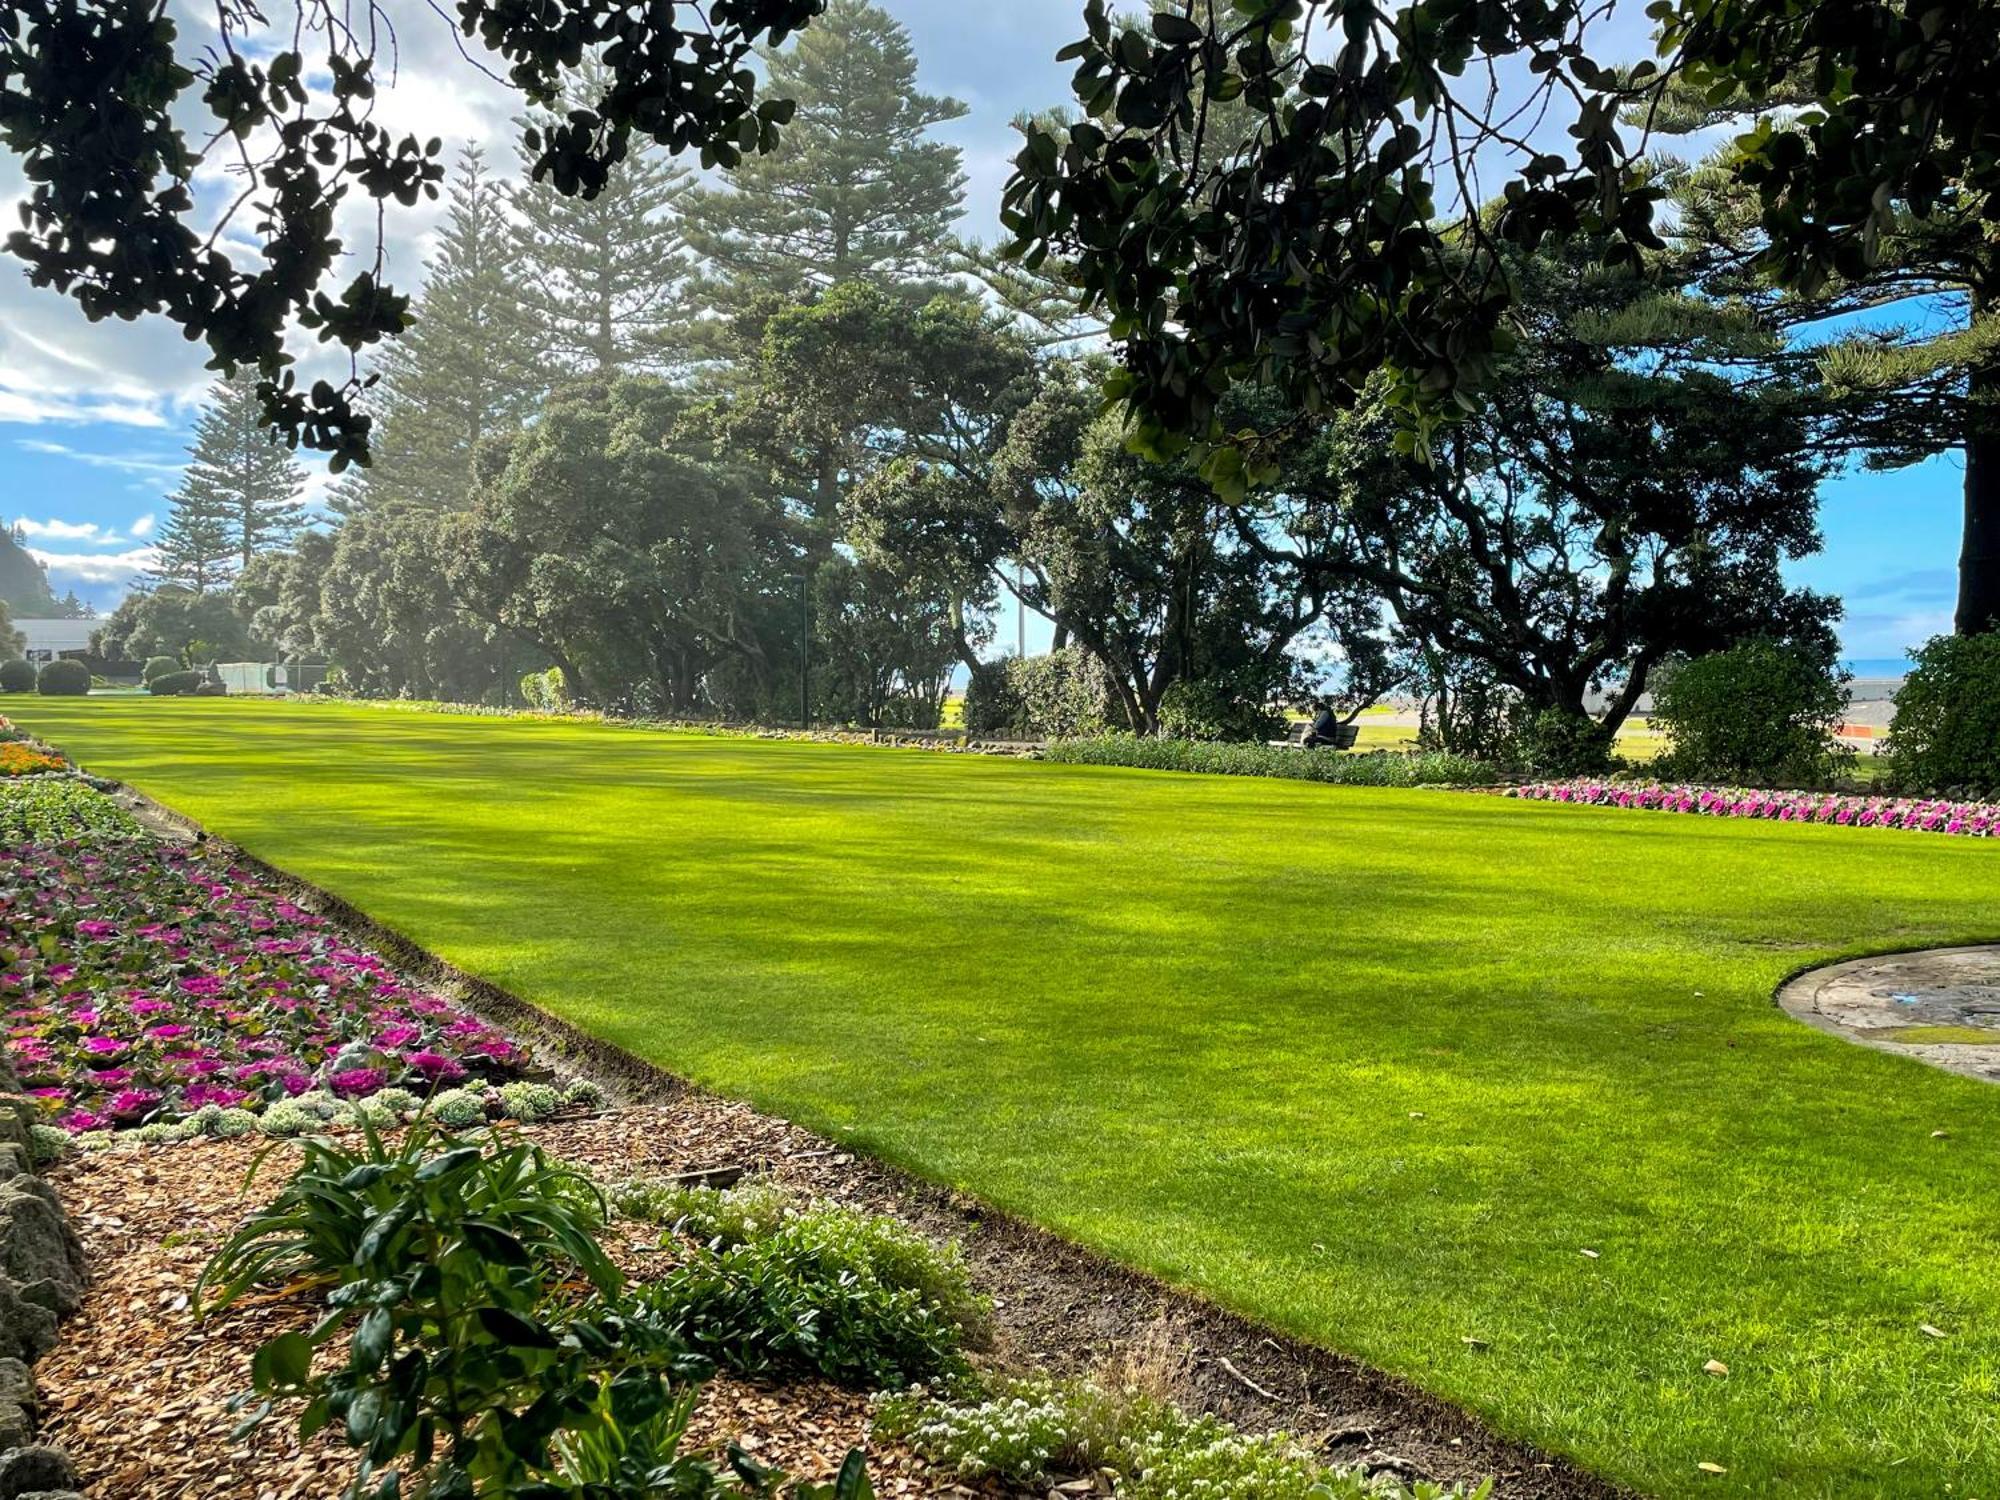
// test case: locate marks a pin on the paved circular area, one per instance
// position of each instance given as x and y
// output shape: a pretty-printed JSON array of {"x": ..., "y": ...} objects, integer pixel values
[{"x": 1941, "y": 1005}]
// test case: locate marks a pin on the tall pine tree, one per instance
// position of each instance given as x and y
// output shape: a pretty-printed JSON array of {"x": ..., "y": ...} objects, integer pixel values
[
  {"x": 471, "y": 366},
  {"x": 238, "y": 497},
  {"x": 605, "y": 276},
  {"x": 856, "y": 190}
]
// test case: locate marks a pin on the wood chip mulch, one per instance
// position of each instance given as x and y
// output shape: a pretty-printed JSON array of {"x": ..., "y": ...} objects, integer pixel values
[{"x": 137, "y": 1391}]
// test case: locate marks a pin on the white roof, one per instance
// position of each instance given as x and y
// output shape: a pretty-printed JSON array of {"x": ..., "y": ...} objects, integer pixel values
[{"x": 57, "y": 635}]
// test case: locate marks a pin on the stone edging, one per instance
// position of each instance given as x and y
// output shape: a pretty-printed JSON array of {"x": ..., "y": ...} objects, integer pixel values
[
  {"x": 1912, "y": 1004},
  {"x": 42, "y": 1276}
]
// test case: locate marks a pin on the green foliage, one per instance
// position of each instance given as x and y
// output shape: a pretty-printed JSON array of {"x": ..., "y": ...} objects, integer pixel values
[
  {"x": 17, "y": 676},
  {"x": 1946, "y": 735},
  {"x": 63, "y": 679},
  {"x": 53, "y": 809},
  {"x": 448, "y": 1270},
  {"x": 1220, "y": 708},
  {"x": 237, "y": 497},
  {"x": 458, "y": 1109},
  {"x": 175, "y": 684},
  {"x": 174, "y": 621},
  {"x": 529, "y": 1102},
  {"x": 855, "y": 188},
  {"x": 1561, "y": 742},
  {"x": 158, "y": 666},
  {"x": 1759, "y": 713},
  {"x": 105, "y": 149},
  {"x": 48, "y": 1144},
  {"x": 858, "y": 1298},
  {"x": 1058, "y": 696},
  {"x": 545, "y": 692},
  {"x": 1340, "y": 767},
  {"x": 1029, "y": 1432}
]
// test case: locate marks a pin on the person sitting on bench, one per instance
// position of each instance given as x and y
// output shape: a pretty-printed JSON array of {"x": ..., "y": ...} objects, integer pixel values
[{"x": 1325, "y": 729}]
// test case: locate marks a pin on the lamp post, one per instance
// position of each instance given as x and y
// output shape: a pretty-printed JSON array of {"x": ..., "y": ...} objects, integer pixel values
[{"x": 805, "y": 649}]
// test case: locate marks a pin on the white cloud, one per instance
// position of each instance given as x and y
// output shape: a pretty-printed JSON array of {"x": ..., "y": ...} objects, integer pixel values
[
  {"x": 119, "y": 568},
  {"x": 130, "y": 463},
  {"x": 55, "y": 530},
  {"x": 143, "y": 527}
]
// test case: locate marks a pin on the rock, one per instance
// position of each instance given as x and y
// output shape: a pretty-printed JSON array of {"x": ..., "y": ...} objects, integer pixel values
[
  {"x": 38, "y": 1249},
  {"x": 17, "y": 1113},
  {"x": 37, "y": 1469},
  {"x": 17, "y": 1404},
  {"x": 10, "y": 1081},
  {"x": 50, "y": 1495},
  {"x": 27, "y": 1327}
]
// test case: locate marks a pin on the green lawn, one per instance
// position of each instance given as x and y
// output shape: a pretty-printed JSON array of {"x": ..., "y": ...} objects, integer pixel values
[{"x": 1373, "y": 1066}]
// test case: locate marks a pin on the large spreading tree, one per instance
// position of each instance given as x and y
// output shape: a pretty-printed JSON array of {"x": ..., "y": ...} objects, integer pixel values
[{"x": 1340, "y": 245}]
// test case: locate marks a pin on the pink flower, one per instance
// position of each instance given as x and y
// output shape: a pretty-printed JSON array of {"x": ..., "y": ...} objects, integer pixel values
[
  {"x": 434, "y": 1066},
  {"x": 355, "y": 1083}
]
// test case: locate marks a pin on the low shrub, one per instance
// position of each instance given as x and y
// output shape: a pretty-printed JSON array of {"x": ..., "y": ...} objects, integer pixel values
[
  {"x": 1220, "y": 708},
  {"x": 1340, "y": 767},
  {"x": 17, "y": 676},
  {"x": 158, "y": 666},
  {"x": 1065, "y": 693},
  {"x": 175, "y": 684},
  {"x": 1946, "y": 735},
  {"x": 861, "y": 1299},
  {"x": 1032, "y": 1432},
  {"x": 207, "y": 689},
  {"x": 63, "y": 679},
  {"x": 1556, "y": 742},
  {"x": 1760, "y": 712}
]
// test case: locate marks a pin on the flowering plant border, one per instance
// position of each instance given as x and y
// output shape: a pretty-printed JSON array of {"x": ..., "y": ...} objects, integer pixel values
[{"x": 1843, "y": 809}]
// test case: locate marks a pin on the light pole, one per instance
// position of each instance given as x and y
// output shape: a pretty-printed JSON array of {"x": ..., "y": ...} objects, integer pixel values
[{"x": 805, "y": 649}]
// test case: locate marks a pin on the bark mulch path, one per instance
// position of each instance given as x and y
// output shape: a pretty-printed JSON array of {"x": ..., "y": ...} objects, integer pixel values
[{"x": 137, "y": 1390}]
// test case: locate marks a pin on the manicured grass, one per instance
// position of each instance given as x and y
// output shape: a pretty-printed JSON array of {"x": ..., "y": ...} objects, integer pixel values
[{"x": 1377, "y": 1067}]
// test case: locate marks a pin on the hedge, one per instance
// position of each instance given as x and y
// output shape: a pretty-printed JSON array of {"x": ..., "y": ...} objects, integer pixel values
[
  {"x": 63, "y": 679},
  {"x": 1341, "y": 767},
  {"x": 17, "y": 676}
]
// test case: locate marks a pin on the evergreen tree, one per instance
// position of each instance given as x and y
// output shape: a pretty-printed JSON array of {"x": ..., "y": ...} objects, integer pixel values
[
  {"x": 605, "y": 276},
  {"x": 238, "y": 497},
  {"x": 469, "y": 369},
  {"x": 855, "y": 190}
]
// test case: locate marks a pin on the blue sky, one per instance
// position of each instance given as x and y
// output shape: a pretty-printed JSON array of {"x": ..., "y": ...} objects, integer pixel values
[{"x": 94, "y": 418}]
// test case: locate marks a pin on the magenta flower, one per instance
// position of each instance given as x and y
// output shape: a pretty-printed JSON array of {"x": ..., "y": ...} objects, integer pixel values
[
  {"x": 434, "y": 1066},
  {"x": 356, "y": 1083}
]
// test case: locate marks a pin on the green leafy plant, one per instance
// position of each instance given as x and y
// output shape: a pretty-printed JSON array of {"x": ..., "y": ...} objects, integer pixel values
[
  {"x": 55, "y": 809},
  {"x": 859, "y": 1298},
  {"x": 17, "y": 676},
  {"x": 1946, "y": 737},
  {"x": 157, "y": 667},
  {"x": 477, "y": 1306}
]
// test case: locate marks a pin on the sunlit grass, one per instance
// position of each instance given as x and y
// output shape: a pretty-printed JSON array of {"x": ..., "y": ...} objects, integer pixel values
[{"x": 1376, "y": 1067}]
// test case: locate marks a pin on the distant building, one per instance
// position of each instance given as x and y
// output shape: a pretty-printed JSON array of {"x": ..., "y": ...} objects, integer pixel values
[{"x": 45, "y": 640}]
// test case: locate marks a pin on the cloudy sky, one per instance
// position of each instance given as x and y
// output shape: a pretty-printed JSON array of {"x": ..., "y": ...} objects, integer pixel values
[{"x": 94, "y": 418}]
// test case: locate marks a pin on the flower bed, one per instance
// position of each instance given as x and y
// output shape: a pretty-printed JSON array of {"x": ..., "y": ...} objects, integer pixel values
[
  {"x": 1911, "y": 814},
  {"x": 147, "y": 984},
  {"x": 17, "y": 759}
]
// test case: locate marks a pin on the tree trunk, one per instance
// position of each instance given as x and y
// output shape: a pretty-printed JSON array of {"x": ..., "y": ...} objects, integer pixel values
[{"x": 1979, "y": 559}]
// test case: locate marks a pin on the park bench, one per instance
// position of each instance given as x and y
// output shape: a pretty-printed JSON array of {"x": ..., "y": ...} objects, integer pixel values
[{"x": 1344, "y": 736}]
